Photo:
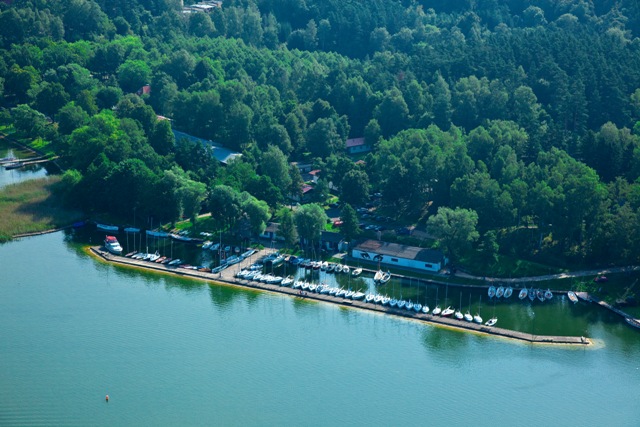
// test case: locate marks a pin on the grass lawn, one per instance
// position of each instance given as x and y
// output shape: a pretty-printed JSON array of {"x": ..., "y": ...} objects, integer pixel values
[
  {"x": 506, "y": 267},
  {"x": 31, "y": 206}
]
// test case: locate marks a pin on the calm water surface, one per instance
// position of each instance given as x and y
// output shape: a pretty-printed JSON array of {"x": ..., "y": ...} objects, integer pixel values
[
  {"x": 179, "y": 352},
  {"x": 14, "y": 176}
]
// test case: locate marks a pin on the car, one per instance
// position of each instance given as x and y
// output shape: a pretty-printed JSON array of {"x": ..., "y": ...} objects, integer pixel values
[
  {"x": 338, "y": 223},
  {"x": 601, "y": 279}
]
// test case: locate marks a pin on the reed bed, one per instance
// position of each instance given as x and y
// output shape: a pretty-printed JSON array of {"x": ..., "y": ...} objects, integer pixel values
[{"x": 32, "y": 206}]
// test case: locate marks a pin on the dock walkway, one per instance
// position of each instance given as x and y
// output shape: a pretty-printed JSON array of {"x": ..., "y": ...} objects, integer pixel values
[{"x": 227, "y": 277}]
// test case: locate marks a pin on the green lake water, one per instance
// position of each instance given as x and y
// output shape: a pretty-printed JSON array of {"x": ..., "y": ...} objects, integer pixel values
[
  {"x": 14, "y": 176},
  {"x": 170, "y": 351}
]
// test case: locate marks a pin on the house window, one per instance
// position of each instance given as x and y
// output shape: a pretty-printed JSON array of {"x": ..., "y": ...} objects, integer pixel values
[
  {"x": 429, "y": 265},
  {"x": 394, "y": 259}
]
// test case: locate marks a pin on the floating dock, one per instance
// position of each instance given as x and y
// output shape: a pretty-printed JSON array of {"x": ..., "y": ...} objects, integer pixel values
[{"x": 227, "y": 277}]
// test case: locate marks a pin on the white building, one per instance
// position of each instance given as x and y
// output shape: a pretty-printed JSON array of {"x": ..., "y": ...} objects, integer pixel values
[{"x": 403, "y": 256}]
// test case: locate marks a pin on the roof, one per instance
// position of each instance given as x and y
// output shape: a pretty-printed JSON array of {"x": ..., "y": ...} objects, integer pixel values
[
  {"x": 355, "y": 142},
  {"x": 306, "y": 188},
  {"x": 330, "y": 236},
  {"x": 222, "y": 154},
  {"x": 315, "y": 172},
  {"x": 272, "y": 227},
  {"x": 401, "y": 251}
]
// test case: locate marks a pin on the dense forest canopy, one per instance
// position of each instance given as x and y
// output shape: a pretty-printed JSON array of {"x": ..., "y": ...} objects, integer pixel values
[{"x": 526, "y": 113}]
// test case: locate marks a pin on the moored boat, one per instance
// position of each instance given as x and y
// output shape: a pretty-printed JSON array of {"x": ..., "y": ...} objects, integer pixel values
[
  {"x": 447, "y": 312},
  {"x": 523, "y": 293},
  {"x": 540, "y": 295},
  {"x": 632, "y": 322},
  {"x": 425, "y": 309},
  {"x": 106, "y": 227},
  {"x": 356, "y": 272},
  {"x": 468, "y": 317},
  {"x": 417, "y": 307},
  {"x": 492, "y": 321},
  {"x": 548, "y": 294},
  {"x": 393, "y": 302},
  {"x": 492, "y": 291},
  {"x": 508, "y": 292},
  {"x": 532, "y": 294},
  {"x": 385, "y": 278},
  {"x": 112, "y": 245},
  {"x": 500, "y": 292},
  {"x": 572, "y": 297},
  {"x": 458, "y": 315},
  {"x": 378, "y": 276},
  {"x": 346, "y": 269},
  {"x": 437, "y": 310},
  {"x": 159, "y": 234},
  {"x": 131, "y": 230},
  {"x": 477, "y": 319}
]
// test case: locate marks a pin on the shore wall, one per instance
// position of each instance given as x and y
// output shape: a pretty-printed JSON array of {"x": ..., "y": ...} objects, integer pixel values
[{"x": 444, "y": 321}]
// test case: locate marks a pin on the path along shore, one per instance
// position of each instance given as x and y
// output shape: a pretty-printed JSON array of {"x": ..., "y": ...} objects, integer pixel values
[{"x": 227, "y": 277}]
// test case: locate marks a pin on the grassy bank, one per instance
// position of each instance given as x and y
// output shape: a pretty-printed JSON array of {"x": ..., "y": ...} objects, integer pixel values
[{"x": 31, "y": 206}]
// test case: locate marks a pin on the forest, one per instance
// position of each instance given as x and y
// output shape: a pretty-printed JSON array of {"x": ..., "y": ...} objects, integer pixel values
[{"x": 521, "y": 116}]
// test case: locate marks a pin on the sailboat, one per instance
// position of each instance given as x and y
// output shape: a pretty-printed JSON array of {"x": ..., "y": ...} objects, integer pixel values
[
  {"x": 467, "y": 316},
  {"x": 458, "y": 313},
  {"x": 447, "y": 311},
  {"x": 477, "y": 317},
  {"x": 437, "y": 310}
]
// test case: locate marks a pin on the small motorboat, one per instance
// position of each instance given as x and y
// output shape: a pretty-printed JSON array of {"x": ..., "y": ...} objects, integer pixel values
[
  {"x": 356, "y": 272},
  {"x": 548, "y": 294},
  {"x": 540, "y": 295},
  {"x": 572, "y": 297},
  {"x": 378, "y": 276},
  {"x": 385, "y": 278},
  {"x": 492, "y": 291},
  {"x": 112, "y": 245},
  {"x": 508, "y": 292},
  {"x": 532, "y": 294},
  {"x": 436, "y": 311},
  {"x": 500, "y": 292},
  {"x": 523, "y": 293},
  {"x": 492, "y": 321}
]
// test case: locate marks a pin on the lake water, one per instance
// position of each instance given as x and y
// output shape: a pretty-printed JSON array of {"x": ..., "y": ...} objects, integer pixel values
[
  {"x": 14, "y": 176},
  {"x": 171, "y": 351}
]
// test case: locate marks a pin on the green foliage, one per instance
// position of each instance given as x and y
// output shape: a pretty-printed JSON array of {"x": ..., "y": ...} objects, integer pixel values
[
  {"x": 456, "y": 229},
  {"x": 310, "y": 220}
]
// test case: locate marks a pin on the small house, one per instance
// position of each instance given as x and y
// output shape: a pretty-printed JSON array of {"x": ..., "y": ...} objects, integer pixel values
[
  {"x": 395, "y": 255},
  {"x": 357, "y": 145}
]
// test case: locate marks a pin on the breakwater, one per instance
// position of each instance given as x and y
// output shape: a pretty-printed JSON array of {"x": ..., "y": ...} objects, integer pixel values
[{"x": 227, "y": 277}]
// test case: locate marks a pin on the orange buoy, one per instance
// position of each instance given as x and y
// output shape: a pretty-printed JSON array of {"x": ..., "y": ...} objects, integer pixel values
[{"x": 106, "y": 398}]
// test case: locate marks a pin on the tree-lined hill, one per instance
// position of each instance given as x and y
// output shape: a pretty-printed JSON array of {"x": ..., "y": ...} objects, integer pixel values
[{"x": 527, "y": 113}]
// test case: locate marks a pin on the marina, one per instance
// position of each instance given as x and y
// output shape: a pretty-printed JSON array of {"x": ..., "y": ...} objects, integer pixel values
[
  {"x": 170, "y": 349},
  {"x": 227, "y": 277}
]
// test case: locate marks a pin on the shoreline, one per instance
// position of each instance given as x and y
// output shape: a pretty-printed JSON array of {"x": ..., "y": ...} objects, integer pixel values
[{"x": 362, "y": 305}]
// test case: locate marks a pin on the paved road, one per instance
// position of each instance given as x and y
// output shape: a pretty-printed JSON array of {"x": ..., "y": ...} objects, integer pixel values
[{"x": 581, "y": 273}]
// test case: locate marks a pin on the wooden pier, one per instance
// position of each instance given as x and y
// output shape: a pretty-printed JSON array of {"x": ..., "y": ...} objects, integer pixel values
[
  {"x": 227, "y": 277},
  {"x": 585, "y": 296}
]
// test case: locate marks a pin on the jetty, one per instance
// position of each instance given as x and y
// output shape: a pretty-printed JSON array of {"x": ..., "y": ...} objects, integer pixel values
[
  {"x": 585, "y": 296},
  {"x": 227, "y": 277}
]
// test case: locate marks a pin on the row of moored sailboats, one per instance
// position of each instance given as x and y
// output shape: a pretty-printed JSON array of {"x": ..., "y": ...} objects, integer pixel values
[{"x": 305, "y": 286}]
